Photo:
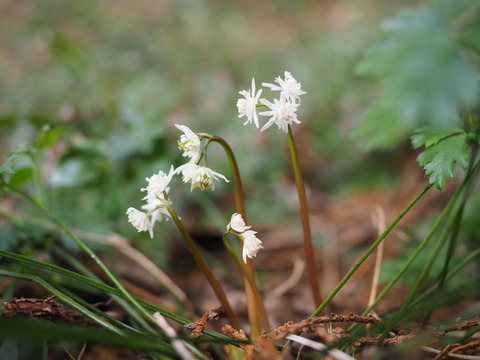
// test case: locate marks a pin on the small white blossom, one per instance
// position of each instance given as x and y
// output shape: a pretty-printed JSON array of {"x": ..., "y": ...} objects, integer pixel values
[
  {"x": 282, "y": 112},
  {"x": 156, "y": 202},
  {"x": 251, "y": 245},
  {"x": 237, "y": 224},
  {"x": 248, "y": 106},
  {"x": 158, "y": 183},
  {"x": 189, "y": 142},
  {"x": 139, "y": 220},
  {"x": 289, "y": 87},
  {"x": 156, "y": 208},
  {"x": 199, "y": 176}
]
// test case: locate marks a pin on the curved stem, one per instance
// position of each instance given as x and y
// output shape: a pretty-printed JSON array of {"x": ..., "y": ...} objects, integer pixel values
[
  {"x": 217, "y": 288},
  {"x": 307, "y": 234},
  {"x": 250, "y": 280},
  {"x": 253, "y": 315},
  {"x": 237, "y": 181}
]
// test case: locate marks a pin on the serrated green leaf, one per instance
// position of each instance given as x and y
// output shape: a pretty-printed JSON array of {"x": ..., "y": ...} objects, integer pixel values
[
  {"x": 439, "y": 160},
  {"x": 429, "y": 136},
  {"x": 7, "y": 166}
]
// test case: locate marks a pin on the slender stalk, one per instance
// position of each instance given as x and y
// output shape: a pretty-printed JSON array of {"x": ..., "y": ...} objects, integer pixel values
[
  {"x": 237, "y": 181},
  {"x": 417, "y": 252},
  {"x": 217, "y": 288},
  {"x": 450, "y": 230},
  {"x": 251, "y": 281},
  {"x": 370, "y": 250},
  {"x": 454, "y": 236},
  {"x": 253, "y": 314},
  {"x": 307, "y": 234},
  {"x": 464, "y": 261},
  {"x": 406, "y": 304},
  {"x": 378, "y": 257},
  {"x": 440, "y": 220},
  {"x": 41, "y": 205}
]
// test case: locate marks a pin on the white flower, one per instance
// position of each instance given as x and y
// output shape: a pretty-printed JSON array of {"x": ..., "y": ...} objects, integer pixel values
[
  {"x": 199, "y": 176},
  {"x": 140, "y": 220},
  {"x": 289, "y": 87},
  {"x": 189, "y": 142},
  {"x": 282, "y": 112},
  {"x": 251, "y": 245},
  {"x": 248, "y": 106},
  {"x": 156, "y": 208},
  {"x": 158, "y": 183},
  {"x": 156, "y": 202},
  {"x": 237, "y": 224}
]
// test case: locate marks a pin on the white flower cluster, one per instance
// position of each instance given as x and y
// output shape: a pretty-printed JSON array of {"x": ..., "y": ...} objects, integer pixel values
[
  {"x": 283, "y": 111},
  {"x": 157, "y": 189},
  {"x": 156, "y": 202},
  {"x": 251, "y": 244},
  {"x": 198, "y": 176}
]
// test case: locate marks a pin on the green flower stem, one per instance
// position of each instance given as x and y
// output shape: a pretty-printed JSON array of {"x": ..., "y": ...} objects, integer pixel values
[
  {"x": 307, "y": 234},
  {"x": 250, "y": 279},
  {"x": 237, "y": 181},
  {"x": 217, "y": 288},
  {"x": 41, "y": 205},
  {"x": 253, "y": 315},
  {"x": 370, "y": 250}
]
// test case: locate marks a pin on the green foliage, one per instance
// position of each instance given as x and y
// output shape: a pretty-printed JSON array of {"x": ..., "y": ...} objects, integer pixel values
[
  {"x": 7, "y": 167},
  {"x": 439, "y": 160},
  {"x": 429, "y": 136},
  {"x": 444, "y": 147},
  {"x": 21, "y": 177},
  {"x": 103, "y": 92},
  {"x": 47, "y": 137},
  {"x": 427, "y": 73},
  {"x": 423, "y": 75}
]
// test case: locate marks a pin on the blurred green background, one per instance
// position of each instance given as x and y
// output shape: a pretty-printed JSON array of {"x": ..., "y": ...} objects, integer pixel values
[{"x": 111, "y": 78}]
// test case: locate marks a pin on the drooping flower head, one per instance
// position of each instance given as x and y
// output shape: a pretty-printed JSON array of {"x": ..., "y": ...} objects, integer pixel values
[
  {"x": 189, "y": 142},
  {"x": 251, "y": 245},
  {"x": 198, "y": 176},
  {"x": 290, "y": 88},
  {"x": 248, "y": 106},
  {"x": 237, "y": 224},
  {"x": 139, "y": 220},
  {"x": 282, "y": 112}
]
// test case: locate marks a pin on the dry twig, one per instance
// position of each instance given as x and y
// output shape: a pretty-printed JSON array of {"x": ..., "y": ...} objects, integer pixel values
[{"x": 197, "y": 326}]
